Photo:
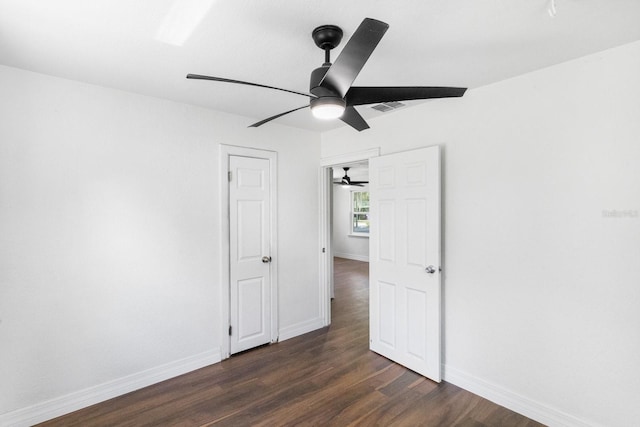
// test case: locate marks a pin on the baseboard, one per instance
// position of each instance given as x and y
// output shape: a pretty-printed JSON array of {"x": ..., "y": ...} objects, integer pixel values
[
  {"x": 300, "y": 328},
  {"x": 352, "y": 256},
  {"x": 530, "y": 408},
  {"x": 81, "y": 399}
]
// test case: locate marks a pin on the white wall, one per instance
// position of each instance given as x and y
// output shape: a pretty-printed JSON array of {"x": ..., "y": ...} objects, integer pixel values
[
  {"x": 541, "y": 290},
  {"x": 109, "y": 238},
  {"x": 346, "y": 245}
]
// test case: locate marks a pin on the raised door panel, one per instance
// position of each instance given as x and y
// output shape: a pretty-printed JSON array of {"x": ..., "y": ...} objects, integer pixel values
[
  {"x": 405, "y": 239},
  {"x": 249, "y": 220}
]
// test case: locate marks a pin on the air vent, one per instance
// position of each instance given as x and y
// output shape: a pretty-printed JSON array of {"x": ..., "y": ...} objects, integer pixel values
[{"x": 388, "y": 106}]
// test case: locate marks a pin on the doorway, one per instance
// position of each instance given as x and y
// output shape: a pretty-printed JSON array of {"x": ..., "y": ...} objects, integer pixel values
[
  {"x": 405, "y": 300},
  {"x": 350, "y": 232},
  {"x": 326, "y": 222}
]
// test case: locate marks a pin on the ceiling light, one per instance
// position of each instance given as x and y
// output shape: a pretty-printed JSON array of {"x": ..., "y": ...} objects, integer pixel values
[{"x": 327, "y": 108}]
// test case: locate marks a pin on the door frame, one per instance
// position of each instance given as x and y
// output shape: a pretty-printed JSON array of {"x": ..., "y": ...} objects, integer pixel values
[
  {"x": 326, "y": 226},
  {"x": 225, "y": 152}
]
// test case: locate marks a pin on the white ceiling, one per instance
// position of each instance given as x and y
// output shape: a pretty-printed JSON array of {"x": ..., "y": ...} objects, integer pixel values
[{"x": 148, "y": 46}]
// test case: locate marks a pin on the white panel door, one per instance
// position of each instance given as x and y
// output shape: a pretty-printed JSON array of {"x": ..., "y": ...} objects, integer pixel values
[
  {"x": 249, "y": 257},
  {"x": 405, "y": 259}
]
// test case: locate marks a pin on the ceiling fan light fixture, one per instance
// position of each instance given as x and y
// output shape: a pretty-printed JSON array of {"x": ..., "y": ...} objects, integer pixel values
[{"x": 327, "y": 108}]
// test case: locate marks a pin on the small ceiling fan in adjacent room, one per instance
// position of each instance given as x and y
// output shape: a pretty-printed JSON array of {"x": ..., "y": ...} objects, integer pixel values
[
  {"x": 332, "y": 95},
  {"x": 345, "y": 180}
]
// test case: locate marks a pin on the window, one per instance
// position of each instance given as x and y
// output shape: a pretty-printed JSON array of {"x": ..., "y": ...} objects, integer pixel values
[{"x": 360, "y": 212}]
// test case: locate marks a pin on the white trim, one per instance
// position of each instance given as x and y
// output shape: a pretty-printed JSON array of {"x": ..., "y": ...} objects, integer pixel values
[
  {"x": 90, "y": 396},
  {"x": 325, "y": 276},
  {"x": 535, "y": 410},
  {"x": 350, "y": 157},
  {"x": 354, "y": 257},
  {"x": 272, "y": 156},
  {"x": 325, "y": 282},
  {"x": 301, "y": 328}
]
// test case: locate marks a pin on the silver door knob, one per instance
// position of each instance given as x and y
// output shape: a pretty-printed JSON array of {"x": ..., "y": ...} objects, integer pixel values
[
  {"x": 430, "y": 269},
  {"x": 266, "y": 259}
]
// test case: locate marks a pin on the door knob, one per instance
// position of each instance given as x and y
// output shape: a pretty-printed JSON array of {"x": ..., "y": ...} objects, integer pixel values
[
  {"x": 266, "y": 259},
  {"x": 430, "y": 269}
]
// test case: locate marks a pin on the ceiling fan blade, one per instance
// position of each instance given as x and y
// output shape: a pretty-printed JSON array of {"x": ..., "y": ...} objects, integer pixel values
[
  {"x": 353, "y": 184},
  {"x": 359, "y": 182},
  {"x": 354, "y": 55},
  {"x": 373, "y": 95},
  {"x": 220, "y": 79},
  {"x": 354, "y": 119},
  {"x": 261, "y": 122}
]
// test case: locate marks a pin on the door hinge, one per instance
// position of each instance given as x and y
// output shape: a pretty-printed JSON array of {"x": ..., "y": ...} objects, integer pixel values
[
  {"x": 229, "y": 176},
  {"x": 229, "y": 330},
  {"x": 323, "y": 250}
]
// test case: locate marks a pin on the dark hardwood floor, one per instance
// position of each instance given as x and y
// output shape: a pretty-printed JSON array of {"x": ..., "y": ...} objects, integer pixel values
[{"x": 324, "y": 378}]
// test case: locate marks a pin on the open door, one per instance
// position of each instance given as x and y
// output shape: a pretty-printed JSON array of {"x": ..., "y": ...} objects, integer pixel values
[{"x": 405, "y": 295}]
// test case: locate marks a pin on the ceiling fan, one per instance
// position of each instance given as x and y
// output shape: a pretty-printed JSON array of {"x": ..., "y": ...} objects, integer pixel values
[
  {"x": 332, "y": 95},
  {"x": 345, "y": 180}
]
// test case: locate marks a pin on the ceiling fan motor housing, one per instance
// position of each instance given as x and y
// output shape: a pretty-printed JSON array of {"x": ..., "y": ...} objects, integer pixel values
[
  {"x": 326, "y": 104},
  {"x": 316, "y": 77}
]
